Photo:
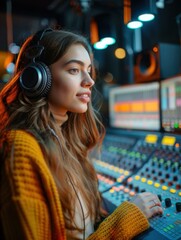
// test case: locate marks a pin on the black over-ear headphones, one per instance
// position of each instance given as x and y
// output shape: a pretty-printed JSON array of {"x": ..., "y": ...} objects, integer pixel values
[{"x": 35, "y": 79}]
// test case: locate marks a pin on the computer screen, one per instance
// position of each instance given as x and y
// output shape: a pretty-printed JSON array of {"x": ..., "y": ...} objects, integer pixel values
[
  {"x": 135, "y": 107},
  {"x": 171, "y": 104}
]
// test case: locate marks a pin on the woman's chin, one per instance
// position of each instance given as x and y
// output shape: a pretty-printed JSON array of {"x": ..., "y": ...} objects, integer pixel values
[{"x": 80, "y": 110}]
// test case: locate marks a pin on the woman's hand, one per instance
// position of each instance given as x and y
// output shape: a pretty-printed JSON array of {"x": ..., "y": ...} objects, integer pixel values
[{"x": 148, "y": 203}]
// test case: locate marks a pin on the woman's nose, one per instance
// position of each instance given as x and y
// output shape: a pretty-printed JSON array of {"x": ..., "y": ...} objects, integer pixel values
[{"x": 87, "y": 80}]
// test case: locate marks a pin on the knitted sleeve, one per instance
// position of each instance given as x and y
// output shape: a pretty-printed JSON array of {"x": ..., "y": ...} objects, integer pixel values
[
  {"x": 124, "y": 223},
  {"x": 29, "y": 203}
]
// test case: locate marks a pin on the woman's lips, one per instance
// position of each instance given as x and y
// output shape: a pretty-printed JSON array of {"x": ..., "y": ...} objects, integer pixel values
[{"x": 84, "y": 97}]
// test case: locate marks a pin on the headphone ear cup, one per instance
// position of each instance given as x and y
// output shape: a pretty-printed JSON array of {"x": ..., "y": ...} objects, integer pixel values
[{"x": 36, "y": 80}]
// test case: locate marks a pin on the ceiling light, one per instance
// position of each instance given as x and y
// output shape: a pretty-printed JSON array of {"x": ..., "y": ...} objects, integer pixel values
[
  {"x": 108, "y": 40},
  {"x": 100, "y": 45},
  {"x": 146, "y": 17},
  {"x": 103, "y": 31},
  {"x": 141, "y": 10},
  {"x": 134, "y": 24}
]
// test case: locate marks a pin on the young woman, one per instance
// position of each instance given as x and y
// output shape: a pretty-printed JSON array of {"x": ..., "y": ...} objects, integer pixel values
[{"x": 48, "y": 185}]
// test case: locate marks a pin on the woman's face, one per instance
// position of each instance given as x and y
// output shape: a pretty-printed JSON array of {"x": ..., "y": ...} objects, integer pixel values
[{"x": 71, "y": 81}]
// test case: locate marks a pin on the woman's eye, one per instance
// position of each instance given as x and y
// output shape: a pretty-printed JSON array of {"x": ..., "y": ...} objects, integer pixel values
[
  {"x": 74, "y": 71},
  {"x": 90, "y": 74}
]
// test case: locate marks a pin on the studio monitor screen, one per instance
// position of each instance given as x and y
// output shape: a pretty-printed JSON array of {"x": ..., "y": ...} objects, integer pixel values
[{"x": 135, "y": 107}]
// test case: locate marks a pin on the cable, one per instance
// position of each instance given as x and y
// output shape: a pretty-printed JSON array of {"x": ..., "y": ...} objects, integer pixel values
[
  {"x": 56, "y": 136},
  {"x": 80, "y": 205}
]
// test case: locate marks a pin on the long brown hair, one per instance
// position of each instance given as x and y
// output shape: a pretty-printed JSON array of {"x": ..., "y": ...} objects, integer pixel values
[{"x": 78, "y": 135}]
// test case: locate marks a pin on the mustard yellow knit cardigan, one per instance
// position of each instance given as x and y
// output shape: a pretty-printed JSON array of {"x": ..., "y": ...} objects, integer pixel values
[{"x": 30, "y": 208}]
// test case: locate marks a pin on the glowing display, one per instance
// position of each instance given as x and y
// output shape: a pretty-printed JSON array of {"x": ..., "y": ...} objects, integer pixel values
[
  {"x": 135, "y": 106},
  {"x": 171, "y": 104},
  {"x": 151, "y": 138},
  {"x": 168, "y": 140}
]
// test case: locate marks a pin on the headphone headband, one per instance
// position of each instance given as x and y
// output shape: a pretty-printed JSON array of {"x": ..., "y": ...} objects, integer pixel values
[
  {"x": 41, "y": 33},
  {"x": 34, "y": 51}
]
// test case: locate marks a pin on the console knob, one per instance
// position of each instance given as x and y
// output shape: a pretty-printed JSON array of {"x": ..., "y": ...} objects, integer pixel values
[
  {"x": 167, "y": 175},
  {"x": 178, "y": 206},
  {"x": 160, "y": 197},
  {"x": 168, "y": 202},
  {"x": 175, "y": 178},
  {"x": 136, "y": 189},
  {"x": 159, "y": 173}
]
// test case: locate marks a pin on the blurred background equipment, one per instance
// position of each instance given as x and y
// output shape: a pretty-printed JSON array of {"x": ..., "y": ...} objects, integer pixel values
[{"x": 159, "y": 62}]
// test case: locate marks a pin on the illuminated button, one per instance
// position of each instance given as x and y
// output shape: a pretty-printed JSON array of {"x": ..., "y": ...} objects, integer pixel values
[
  {"x": 121, "y": 187},
  {"x": 115, "y": 188},
  {"x": 130, "y": 179},
  {"x": 116, "y": 169},
  {"x": 172, "y": 226},
  {"x": 150, "y": 182},
  {"x": 161, "y": 160},
  {"x": 132, "y": 193},
  {"x": 143, "y": 179},
  {"x": 176, "y": 164},
  {"x": 172, "y": 190},
  {"x": 126, "y": 190},
  {"x": 164, "y": 188},
  {"x": 168, "y": 162},
  {"x": 179, "y": 194},
  {"x": 126, "y": 173},
  {"x": 132, "y": 154},
  {"x": 121, "y": 170},
  {"x": 169, "y": 227},
  {"x": 111, "y": 182},
  {"x": 111, "y": 190},
  {"x": 177, "y": 145},
  {"x": 124, "y": 152},
  {"x": 157, "y": 185},
  {"x": 119, "y": 179},
  {"x": 155, "y": 159},
  {"x": 137, "y": 177}
]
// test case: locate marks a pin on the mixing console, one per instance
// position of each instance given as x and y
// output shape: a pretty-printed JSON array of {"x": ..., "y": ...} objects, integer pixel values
[
  {"x": 110, "y": 170},
  {"x": 150, "y": 163},
  {"x": 121, "y": 157}
]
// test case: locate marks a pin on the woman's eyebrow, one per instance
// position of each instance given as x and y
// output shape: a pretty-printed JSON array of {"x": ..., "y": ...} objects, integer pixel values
[{"x": 76, "y": 61}]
